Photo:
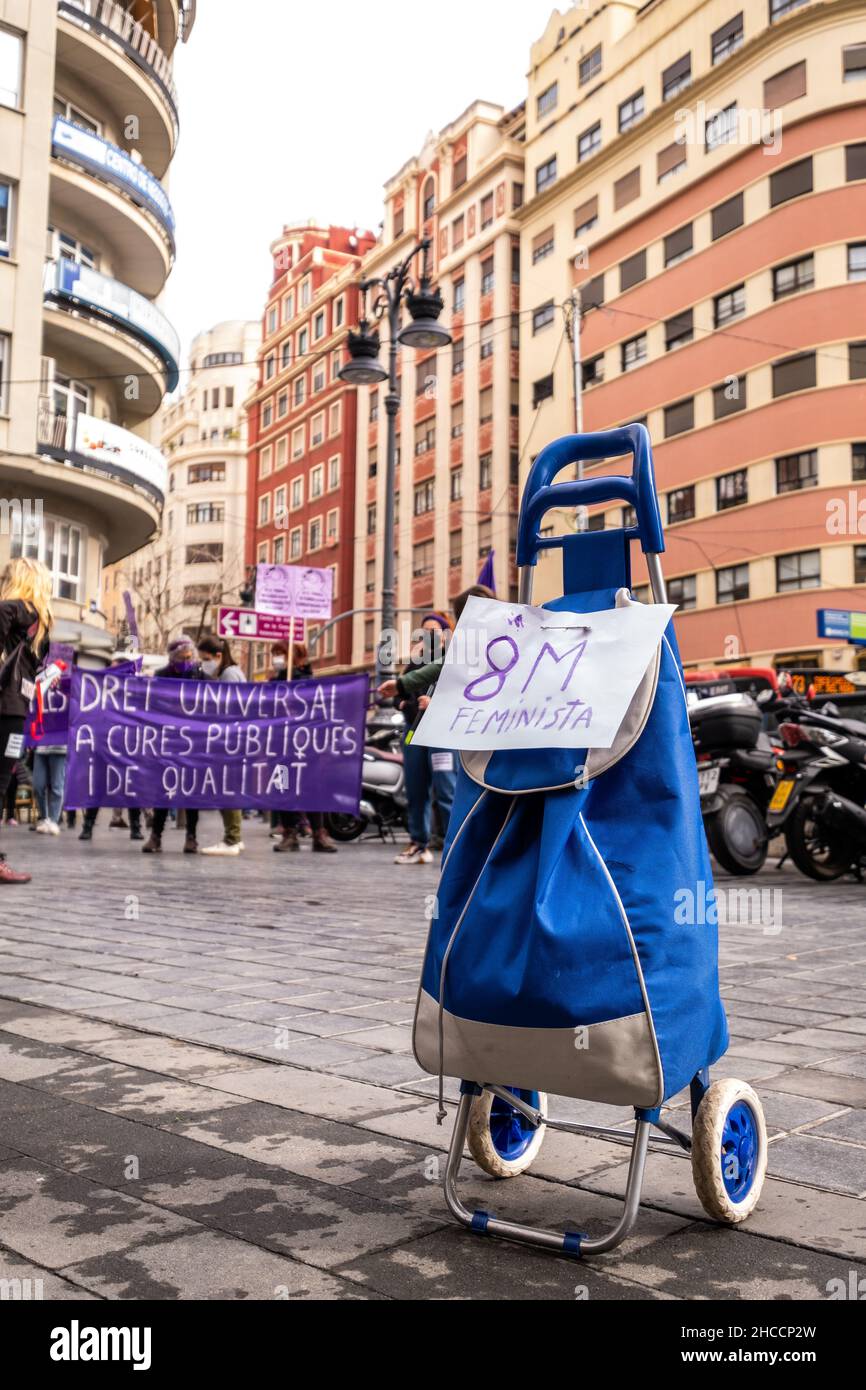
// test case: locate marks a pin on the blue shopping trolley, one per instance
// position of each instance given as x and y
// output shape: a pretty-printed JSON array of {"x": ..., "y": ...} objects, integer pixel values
[{"x": 569, "y": 952}]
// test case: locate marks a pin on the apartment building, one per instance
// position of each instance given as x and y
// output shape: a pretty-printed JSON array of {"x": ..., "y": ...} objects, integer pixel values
[
  {"x": 458, "y": 426},
  {"x": 301, "y": 471},
  {"x": 699, "y": 171},
  {"x": 88, "y": 128},
  {"x": 198, "y": 561}
]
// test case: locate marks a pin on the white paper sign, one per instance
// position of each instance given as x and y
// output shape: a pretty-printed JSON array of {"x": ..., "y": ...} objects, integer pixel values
[
  {"x": 521, "y": 677},
  {"x": 294, "y": 589}
]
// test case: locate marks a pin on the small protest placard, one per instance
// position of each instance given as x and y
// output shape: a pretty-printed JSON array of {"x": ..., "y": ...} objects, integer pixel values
[
  {"x": 522, "y": 677},
  {"x": 298, "y": 591}
]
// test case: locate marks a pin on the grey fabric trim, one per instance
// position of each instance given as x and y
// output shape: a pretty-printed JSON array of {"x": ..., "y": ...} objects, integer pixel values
[
  {"x": 598, "y": 760},
  {"x": 615, "y": 1063}
]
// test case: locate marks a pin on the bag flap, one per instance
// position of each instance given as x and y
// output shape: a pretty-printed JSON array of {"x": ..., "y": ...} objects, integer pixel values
[{"x": 521, "y": 770}]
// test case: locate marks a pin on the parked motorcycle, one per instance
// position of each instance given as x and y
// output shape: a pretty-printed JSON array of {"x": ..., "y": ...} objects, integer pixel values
[
  {"x": 820, "y": 799},
  {"x": 737, "y": 776},
  {"x": 384, "y": 804}
]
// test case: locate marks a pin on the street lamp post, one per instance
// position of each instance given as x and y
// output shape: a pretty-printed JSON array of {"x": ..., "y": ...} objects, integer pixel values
[{"x": 365, "y": 369}]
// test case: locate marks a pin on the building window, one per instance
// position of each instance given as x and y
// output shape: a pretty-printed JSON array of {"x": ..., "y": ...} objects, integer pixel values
[
  {"x": 858, "y": 462},
  {"x": 589, "y": 67},
  {"x": 206, "y": 473},
  {"x": 314, "y": 541},
  {"x": 282, "y": 404},
  {"x": 280, "y": 512},
  {"x": 59, "y": 545},
  {"x": 633, "y": 352},
  {"x": 626, "y": 189},
  {"x": 679, "y": 417},
  {"x": 799, "y": 571},
  {"x": 732, "y": 489},
  {"x": 683, "y": 591},
  {"x": 300, "y": 390},
  {"x": 317, "y": 481},
  {"x": 632, "y": 270},
  {"x": 797, "y": 471},
  {"x": 592, "y": 293},
  {"x": 423, "y": 556},
  {"x": 265, "y": 462},
  {"x": 729, "y": 397},
  {"x": 515, "y": 262},
  {"x": 458, "y": 232},
  {"x": 458, "y": 354},
  {"x": 857, "y": 361},
  {"x": 425, "y": 437},
  {"x": 794, "y": 374},
  {"x": 205, "y": 553},
  {"x": 399, "y": 222},
  {"x": 460, "y": 173},
  {"x": 286, "y": 355},
  {"x": 306, "y": 292},
  {"x": 543, "y": 316},
  {"x": 279, "y": 550},
  {"x": 198, "y": 513},
  {"x": 298, "y": 442},
  {"x": 860, "y": 566},
  {"x": 729, "y": 305},
  {"x": 677, "y": 77},
  {"x": 297, "y": 493},
  {"x": 589, "y": 142},
  {"x": 547, "y": 101},
  {"x": 332, "y": 528},
  {"x": 542, "y": 390},
  {"x": 732, "y": 584},
  {"x": 424, "y": 497},
  {"x": 727, "y": 216},
  {"x": 4, "y": 373},
  {"x": 857, "y": 261},
  {"x": 726, "y": 40},
  {"x": 670, "y": 161},
  {"x": 487, "y": 276},
  {"x": 679, "y": 330},
  {"x": 783, "y": 7},
  {"x": 429, "y": 205},
  {"x": 485, "y": 406},
  {"x": 586, "y": 216},
  {"x": 456, "y": 485},
  {"x": 6, "y": 220},
  {"x": 516, "y": 196},
  {"x": 371, "y": 519},
  {"x": 485, "y": 472},
  {"x": 486, "y": 340},
  {"x": 485, "y": 537},
  {"x": 791, "y": 182},
  {"x": 272, "y": 319},
  {"x": 296, "y": 545},
  {"x": 339, "y": 312},
  {"x": 334, "y": 418},
  {"x": 681, "y": 505},
  {"x": 630, "y": 111},
  {"x": 455, "y": 549},
  {"x": 542, "y": 246},
  {"x": 593, "y": 370},
  {"x": 854, "y": 63},
  {"x": 319, "y": 374},
  {"x": 264, "y": 509},
  {"x": 11, "y": 56},
  {"x": 545, "y": 174},
  {"x": 317, "y": 429},
  {"x": 487, "y": 212},
  {"x": 319, "y": 325},
  {"x": 459, "y": 296},
  {"x": 795, "y": 276},
  {"x": 721, "y": 128}
]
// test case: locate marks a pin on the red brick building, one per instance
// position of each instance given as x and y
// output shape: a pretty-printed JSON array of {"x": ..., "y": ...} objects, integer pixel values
[{"x": 302, "y": 419}]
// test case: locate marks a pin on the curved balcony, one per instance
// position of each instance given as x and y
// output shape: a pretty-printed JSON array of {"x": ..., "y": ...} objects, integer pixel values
[
  {"x": 118, "y": 335},
  {"x": 101, "y": 186},
  {"x": 113, "y": 53}
]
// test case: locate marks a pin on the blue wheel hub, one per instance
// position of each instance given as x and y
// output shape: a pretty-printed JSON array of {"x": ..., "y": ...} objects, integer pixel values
[
  {"x": 740, "y": 1150},
  {"x": 511, "y": 1131}
]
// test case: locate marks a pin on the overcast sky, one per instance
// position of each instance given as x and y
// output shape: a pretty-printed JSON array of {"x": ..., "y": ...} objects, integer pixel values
[{"x": 291, "y": 110}]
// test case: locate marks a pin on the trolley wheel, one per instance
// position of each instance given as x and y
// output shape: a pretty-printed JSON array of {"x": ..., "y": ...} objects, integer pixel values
[
  {"x": 729, "y": 1151},
  {"x": 501, "y": 1140}
]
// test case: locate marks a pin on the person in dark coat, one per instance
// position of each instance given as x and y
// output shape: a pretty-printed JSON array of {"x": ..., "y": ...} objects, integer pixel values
[
  {"x": 25, "y": 622},
  {"x": 290, "y": 821},
  {"x": 182, "y": 666}
]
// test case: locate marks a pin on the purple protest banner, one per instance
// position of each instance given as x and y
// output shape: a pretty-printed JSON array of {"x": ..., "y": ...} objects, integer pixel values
[
  {"x": 55, "y": 714},
  {"x": 274, "y": 745}
]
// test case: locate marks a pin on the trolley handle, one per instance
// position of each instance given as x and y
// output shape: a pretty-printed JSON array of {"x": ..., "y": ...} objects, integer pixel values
[{"x": 541, "y": 493}]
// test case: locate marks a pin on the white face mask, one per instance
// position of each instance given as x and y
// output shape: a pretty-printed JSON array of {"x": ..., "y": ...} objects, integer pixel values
[
  {"x": 279, "y": 663},
  {"x": 210, "y": 668}
]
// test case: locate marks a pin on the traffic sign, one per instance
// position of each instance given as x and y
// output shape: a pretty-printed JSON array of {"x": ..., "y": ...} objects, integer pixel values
[
  {"x": 247, "y": 625},
  {"x": 842, "y": 622}
]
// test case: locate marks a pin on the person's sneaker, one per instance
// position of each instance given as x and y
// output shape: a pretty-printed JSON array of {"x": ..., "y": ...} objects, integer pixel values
[
  {"x": 412, "y": 855},
  {"x": 152, "y": 846},
  {"x": 221, "y": 848},
  {"x": 8, "y": 875},
  {"x": 43, "y": 827},
  {"x": 53, "y": 828},
  {"x": 135, "y": 833},
  {"x": 11, "y": 821},
  {"x": 86, "y": 834},
  {"x": 190, "y": 845}
]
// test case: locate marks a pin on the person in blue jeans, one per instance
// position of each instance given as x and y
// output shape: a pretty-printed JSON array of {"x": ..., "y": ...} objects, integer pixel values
[
  {"x": 49, "y": 777},
  {"x": 429, "y": 771}
]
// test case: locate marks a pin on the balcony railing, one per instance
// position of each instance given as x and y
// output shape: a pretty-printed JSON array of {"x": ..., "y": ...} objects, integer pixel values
[
  {"x": 112, "y": 165},
  {"x": 79, "y": 287},
  {"x": 117, "y": 27},
  {"x": 85, "y": 442}
]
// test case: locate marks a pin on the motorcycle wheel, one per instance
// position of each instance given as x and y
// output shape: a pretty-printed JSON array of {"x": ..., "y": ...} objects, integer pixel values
[
  {"x": 342, "y": 827},
  {"x": 808, "y": 847},
  {"x": 737, "y": 833}
]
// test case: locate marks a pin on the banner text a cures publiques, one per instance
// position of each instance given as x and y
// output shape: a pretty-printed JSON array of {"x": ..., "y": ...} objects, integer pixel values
[{"x": 276, "y": 745}]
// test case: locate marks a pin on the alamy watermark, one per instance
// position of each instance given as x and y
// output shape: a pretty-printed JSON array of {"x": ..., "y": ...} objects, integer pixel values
[
  {"x": 705, "y": 905},
  {"x": 20, "y": 516}
]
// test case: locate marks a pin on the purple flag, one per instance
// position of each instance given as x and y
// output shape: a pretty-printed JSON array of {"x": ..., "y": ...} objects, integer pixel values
[
  {"x": 487, "y": 575},
  {"x": 271, "y": 745}
]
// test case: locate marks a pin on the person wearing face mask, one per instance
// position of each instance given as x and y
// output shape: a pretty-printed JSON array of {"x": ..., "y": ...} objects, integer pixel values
[
  {"x": 182, "y": 666},
  {"x": 290, "y": 821},
  {"x": 218, "y": 664}
]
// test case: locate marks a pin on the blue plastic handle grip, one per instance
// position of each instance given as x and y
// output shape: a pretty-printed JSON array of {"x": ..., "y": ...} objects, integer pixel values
[{"x": 541, "y": 493}]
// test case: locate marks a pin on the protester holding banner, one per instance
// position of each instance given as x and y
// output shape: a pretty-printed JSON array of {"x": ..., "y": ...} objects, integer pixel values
[
  {"x": 116, "y": 823},
  {"x": 218, "y": 664},
  {"x": 290, "y": 820},
  {"x": 49, "y": 774},
  {"x": 25, "y": 621},
  {"x": 182, "y": 666}
]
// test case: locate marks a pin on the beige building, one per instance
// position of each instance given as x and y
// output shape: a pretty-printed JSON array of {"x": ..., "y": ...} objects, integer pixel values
[
  {"x": 698, "y": 169},
  {"x": 458, "y": 428},
  {"x": 177, "y": 582},
  {"x": 88, "y": 128}
]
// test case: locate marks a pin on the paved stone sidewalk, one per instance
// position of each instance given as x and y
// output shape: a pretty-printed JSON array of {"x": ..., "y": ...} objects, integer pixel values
[{"x": 207, "y": 1090}]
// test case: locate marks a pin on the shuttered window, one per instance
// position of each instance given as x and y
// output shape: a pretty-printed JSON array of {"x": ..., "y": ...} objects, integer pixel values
[
  {"x": 855, "y": 162},
  {"x": 585, "y": 216},
  {"x": 854, "y": 62},
  {"x": 794, "y": 374},
  {"x": 791, "y": 182},
  {"x": 727, "y": 216},
  {"x": 626, "y": 189},
  {"x": 785, "y": 86},
  {"x": 632, "y": 271},
  {"x": 679, "y": 416},
  {"x": 679, "y": 330},
  {"x": 729, "y": 397},
  {"x": 857, "y": 361},
  {"x": 668, "y": 160},
  {"x": 676, "y": 77},
  {"x": 592, "y": 293},
  {"x": 678, "y": 244}
]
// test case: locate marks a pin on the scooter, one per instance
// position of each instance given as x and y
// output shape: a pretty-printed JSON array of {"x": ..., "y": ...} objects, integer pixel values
[
  {"x": 384, "y": 805},
  {"x": 820, "y": 799},
  {"x": 737, "y": 776}
]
